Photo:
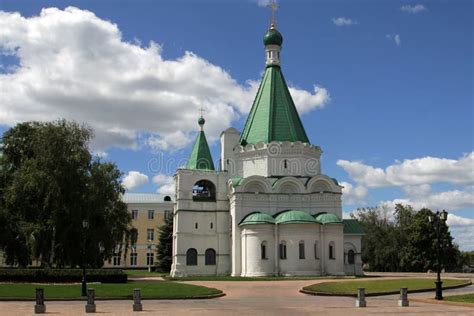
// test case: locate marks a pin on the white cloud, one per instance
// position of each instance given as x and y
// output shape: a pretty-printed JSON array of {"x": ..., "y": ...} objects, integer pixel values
[
  {"x": 134, "y": 179},
  {"x": 424, "y": 170},
  {"x": 463, "y": 236},
  {"x": 165, "y": 183},
  {"x": 413, "y": 9},
  {"x": 342, "y": 21},
  {"x": 306, "y": 101},
  {"x": 263, "y": 3},
  {"x": 454, "y": 220},
  {"x": 353, "y": 195},
  {"x": 77, "y": 66},
  {"x": 396, "y": 38}
]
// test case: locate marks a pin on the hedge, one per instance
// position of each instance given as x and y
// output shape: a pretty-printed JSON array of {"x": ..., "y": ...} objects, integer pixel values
[{"x": 62, "y": 275}]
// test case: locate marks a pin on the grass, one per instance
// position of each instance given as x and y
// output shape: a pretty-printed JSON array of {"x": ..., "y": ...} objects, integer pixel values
[
  {"x": 464, "y": 298},
  {"x": 269, "y": 278},
  {"x": 156, "y": 290},
  {"x": 144, "y": 273},
  {"x": 380, "y": 286}
]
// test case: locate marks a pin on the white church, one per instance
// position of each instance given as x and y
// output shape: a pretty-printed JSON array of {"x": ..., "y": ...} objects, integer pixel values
[{"x": 267, "y": 209}]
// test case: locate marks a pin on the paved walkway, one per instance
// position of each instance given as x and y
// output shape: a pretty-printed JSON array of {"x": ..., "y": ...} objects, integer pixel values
[{"x": 253, "y": 298}]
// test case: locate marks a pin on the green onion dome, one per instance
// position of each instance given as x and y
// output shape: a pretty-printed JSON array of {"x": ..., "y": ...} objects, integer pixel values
[
  {"x": 201, "y": 121},
  {"x": 272, "y": 37}
]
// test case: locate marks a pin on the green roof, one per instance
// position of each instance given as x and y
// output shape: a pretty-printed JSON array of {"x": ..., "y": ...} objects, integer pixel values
[
  {"x": 236, "y": 181},
  {"x": 273, "y": 116},
  {"x": 290, "y": 216},
  {"x": 328, "y": 218},
  {"x": 257, "y": 218},
  {"x": 352, "y": 227},
  {"x": 200, "y": 157}
]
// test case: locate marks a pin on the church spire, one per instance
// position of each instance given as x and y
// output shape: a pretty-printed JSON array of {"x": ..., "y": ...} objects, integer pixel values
[
  {"x": 200, "y": 158},
  {"x": 273, "y": 116}
]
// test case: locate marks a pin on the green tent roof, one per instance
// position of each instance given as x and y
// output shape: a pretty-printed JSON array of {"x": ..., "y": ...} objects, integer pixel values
[
  {"x": 200, "y": 157},
  {"x": 327, "y": 218},
  {"x": 290, "y": 216},
  {"x": 273, "y": 116},
  {"x": 352, "y": 227},
  {"x": 257, "y": 218}
]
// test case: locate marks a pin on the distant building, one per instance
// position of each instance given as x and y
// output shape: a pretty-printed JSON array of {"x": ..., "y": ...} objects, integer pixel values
[{"x": 148, "y": 212}]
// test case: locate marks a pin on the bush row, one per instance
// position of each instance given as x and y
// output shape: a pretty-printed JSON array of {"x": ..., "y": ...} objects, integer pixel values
[{"x": 62, "y": 275}]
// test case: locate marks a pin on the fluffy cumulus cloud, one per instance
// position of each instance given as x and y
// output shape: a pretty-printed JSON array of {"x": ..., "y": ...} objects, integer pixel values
[
  {"x": 416, "y": 179},
  {"x": 134, "y": 179},
  {"x": 165, "y": 184},
  {"x": 353, "y": 194},
  {"x": 413, "y": 9},
  {"x": 342, "y": 21},
  {"x": 75, "y": 65},
  {"x": 413, "y": 171}
]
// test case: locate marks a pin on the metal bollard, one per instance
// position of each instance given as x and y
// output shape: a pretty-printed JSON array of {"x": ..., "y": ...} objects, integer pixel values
[
  {"x": 360, "y": 302},
  {"x": 137, "y": 300},
  {"x": 40, "y": 308},
  {"x": 403, "y": 301},
  {"x": 90, "y": 306}
]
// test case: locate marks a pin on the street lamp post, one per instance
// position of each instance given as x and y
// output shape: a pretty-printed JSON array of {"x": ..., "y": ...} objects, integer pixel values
[
  {"x": 85, "y": 225},
  {"x": 149, "y": 255},
  {"x": 437, "y": 219}
]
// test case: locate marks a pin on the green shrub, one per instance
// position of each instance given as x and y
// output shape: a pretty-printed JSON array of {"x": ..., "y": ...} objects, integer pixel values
[{"x": 62, "y": 275}]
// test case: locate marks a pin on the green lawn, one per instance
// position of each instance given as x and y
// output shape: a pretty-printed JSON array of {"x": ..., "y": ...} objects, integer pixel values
[
  {"x": 238, "y": 278},
  {"x": 144, "y": 273},
  {"x": 157, "y": 290},
  {"x": 464, "y": 298},
  {"x": 380, "y": 286}
]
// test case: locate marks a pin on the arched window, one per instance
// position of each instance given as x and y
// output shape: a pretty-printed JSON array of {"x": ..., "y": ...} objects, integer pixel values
[
  {"x": 332, "y": 250},
  {"x": 316, "y": 250},
  {"x": 263, "y": 250},
  {"x": 212, "y": 225},
  {"x": 196, "y": 225},
  {"x": 282, "y": 250},
  {"x": 210, "y": 257},
  {"x": 301, "y": 249},
  {"x": 167, "y": 198},
  {"x": 191, "y": 257},
  {"x": 204, "y": 191},
  {"x": 351, "y": 257}
]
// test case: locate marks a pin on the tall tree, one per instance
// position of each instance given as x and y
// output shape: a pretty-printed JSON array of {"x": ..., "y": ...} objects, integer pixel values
[
  {"x": 52, "y": 185},
  {"x": 164, "y": 247}
]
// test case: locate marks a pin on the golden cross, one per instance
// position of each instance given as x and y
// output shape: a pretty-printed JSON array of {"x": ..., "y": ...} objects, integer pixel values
[
  {"x": 273, "y": 5},
  {"x": 201, "y": 110}
]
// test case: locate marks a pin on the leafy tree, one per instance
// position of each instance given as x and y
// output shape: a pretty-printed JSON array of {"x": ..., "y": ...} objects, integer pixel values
[
  {"x": 164, "y": 247},
  {"x": 404, "y": 240},
  {"x": 51, "y": 185}
]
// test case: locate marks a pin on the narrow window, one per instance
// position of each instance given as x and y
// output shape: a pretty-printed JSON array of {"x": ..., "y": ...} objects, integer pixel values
[
  {"x": 196, "y": 225},
  {"x": 301, "y": 249},
  {"x": 134, "y": 214},
  {"x": 316, "y": 255},
  {"x": 331, "y": 251},
  {"x": 150, "y": 234},
  {"x": 282, "y": 250},
  {"x": 351, "y": 257},
  {"x": 149, "y": 259},
  {"x": 151, "y": 214},
  {"x": 212, "y": 225},
  {"x": 210, "y": 257},
  {"x": 285, "y": 163},
  {"x": 133, "y": 259},
  {"x": 191, "y": 257},
  {"x": 263, "y": 250},
  {"x": 116, "y": 259},
  {"x": 167, "y": 214}
]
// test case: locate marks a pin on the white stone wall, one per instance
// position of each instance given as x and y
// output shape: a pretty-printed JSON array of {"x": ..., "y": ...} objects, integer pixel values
[
  {"x": 292, "y": 234},
  {"x": 353, "y": 242},
  {"x": 333, "y": 233},
  {"x": 193, "y": 221},
  {"x": 252, "y": 238}
]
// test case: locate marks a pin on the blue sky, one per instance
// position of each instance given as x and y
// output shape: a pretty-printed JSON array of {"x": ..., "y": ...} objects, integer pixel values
[{"x": 393, "y": 111}]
